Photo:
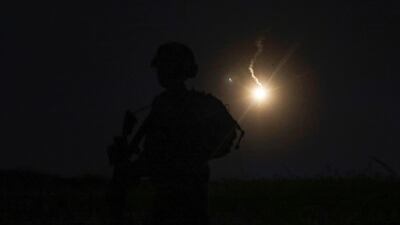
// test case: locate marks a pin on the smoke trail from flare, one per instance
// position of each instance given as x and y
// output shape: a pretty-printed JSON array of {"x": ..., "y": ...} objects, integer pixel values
[{"x": 260, "y": 46}]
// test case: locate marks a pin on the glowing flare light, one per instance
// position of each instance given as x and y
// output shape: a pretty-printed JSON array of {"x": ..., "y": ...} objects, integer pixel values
[{"x": 260, "y": 93}]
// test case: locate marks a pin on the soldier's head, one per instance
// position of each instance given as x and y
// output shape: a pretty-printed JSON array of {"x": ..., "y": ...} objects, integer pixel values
[{"x": 174, "y": 63}]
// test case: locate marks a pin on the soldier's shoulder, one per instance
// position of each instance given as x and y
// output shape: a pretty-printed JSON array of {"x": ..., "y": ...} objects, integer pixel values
[
  {"x": 202, "y": 96},
  {"x": 205, "y": 100}
]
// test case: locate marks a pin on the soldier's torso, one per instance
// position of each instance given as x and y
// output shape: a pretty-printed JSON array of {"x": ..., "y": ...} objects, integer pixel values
[{"x": 174, "y": 137}]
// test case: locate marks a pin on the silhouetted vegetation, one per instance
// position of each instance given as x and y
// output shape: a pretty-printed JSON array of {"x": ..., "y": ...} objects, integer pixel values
[{"x": 32, "y": 198}]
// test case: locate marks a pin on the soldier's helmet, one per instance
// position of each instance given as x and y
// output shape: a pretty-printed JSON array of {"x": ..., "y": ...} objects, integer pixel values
[{"x": 174, "y": 62}]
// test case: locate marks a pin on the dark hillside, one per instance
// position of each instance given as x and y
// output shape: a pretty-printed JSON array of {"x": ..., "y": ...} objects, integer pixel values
[{"x": 32, "y": 198}]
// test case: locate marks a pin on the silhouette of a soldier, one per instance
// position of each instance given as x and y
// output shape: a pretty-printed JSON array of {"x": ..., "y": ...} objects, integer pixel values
[{"x": 183, "y": 131}]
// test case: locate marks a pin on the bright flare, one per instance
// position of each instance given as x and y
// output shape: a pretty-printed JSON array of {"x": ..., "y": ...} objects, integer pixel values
[{"x": 260, "y": 93}]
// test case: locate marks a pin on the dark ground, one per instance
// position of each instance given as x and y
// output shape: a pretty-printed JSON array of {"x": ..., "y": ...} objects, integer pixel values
[{"x": 31, "y": 198}]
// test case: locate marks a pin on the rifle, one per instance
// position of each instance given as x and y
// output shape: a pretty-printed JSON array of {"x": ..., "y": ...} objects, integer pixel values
[{"x": 119, "y": 153}]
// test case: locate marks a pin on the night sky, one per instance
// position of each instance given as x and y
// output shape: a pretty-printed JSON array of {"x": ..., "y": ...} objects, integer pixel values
[{"x": 70, "y": 70}]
